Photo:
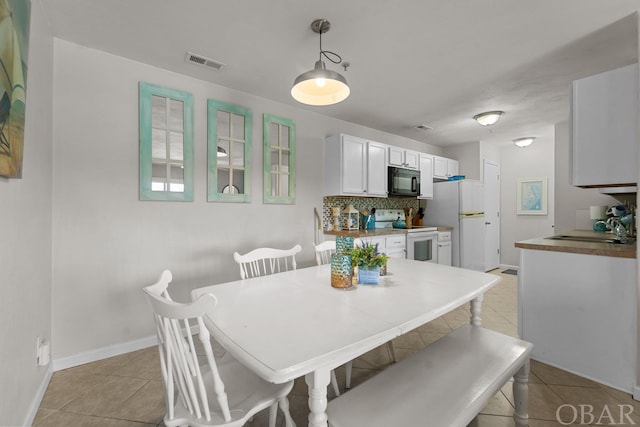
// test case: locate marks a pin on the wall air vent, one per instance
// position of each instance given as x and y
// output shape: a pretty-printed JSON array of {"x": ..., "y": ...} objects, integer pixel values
[{"x": 204, "y": 61}]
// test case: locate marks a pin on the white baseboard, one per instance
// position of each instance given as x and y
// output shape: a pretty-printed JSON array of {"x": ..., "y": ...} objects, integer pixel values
[
  {"x": 507, "y": 266},
  {"x": 103, "y": 353},
  {"x": 35, "y": 405}
]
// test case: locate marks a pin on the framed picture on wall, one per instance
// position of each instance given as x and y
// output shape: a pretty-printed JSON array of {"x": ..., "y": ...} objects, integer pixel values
[
  {"x": 14, "y": 47},
  {"x": 532, "y": 196}
]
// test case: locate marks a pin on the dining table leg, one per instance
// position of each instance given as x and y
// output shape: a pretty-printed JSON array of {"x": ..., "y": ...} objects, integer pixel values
[
  {"x": 476, "y": 310},
  {"x": 317, "y": 381}
]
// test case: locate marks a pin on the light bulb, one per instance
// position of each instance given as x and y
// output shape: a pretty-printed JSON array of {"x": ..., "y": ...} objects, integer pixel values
[{"x": 320, "y": 82}]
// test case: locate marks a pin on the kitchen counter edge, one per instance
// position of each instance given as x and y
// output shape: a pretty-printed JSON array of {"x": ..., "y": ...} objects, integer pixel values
[
  {"x": 587, "y": 248},
  {"x": 376, "y": 232}
]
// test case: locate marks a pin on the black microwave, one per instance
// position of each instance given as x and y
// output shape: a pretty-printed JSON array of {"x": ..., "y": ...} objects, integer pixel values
[{"x": 403, "y": 182}]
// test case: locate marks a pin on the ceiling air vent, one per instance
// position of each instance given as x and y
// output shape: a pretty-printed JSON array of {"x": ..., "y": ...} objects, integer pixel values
[{"x": 204, "y": 61}]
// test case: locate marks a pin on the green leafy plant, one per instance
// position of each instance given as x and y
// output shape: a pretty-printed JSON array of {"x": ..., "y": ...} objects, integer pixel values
[{"x": 367, "y": 256}]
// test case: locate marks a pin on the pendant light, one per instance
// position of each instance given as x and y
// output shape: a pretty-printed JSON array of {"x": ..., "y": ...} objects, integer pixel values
[
  {"x": 524, "y": 142},
  {"x": 321, "y": 86},
  {"x": 488, "y": 118}
]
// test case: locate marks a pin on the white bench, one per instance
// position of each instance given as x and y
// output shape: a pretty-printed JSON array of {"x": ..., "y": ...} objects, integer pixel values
[{"x": 444, "y": 385}]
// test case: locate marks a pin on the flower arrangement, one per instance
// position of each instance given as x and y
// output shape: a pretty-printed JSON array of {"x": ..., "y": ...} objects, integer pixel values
[{"x": 367, "y": 256}]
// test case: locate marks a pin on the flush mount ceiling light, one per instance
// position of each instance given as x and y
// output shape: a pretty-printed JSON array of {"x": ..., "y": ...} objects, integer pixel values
[
  {"x": 524, "y": 142},
  {"x": 321, "y": 86},
  {"x": 489, "y": 118},
  {"x": 222, "y": 152}
]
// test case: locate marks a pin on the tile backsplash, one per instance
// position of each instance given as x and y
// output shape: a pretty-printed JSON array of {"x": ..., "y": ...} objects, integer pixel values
[{"x": 365, "y": 203}]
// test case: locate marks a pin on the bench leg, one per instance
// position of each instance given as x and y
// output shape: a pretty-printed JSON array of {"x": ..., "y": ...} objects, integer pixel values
[
  {"x": 521, "y": 395},
  {"x": 476, "y": 310}
]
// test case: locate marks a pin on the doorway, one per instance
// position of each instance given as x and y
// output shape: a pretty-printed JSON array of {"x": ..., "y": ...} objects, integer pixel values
[{"x": 491, "y": 178}]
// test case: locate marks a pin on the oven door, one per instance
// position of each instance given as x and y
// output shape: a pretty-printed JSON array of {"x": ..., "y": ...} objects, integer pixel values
[{"x": 423, "y": 246}]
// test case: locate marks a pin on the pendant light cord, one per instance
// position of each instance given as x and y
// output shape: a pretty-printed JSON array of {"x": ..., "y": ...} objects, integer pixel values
[{"x": 328, "y": 54}]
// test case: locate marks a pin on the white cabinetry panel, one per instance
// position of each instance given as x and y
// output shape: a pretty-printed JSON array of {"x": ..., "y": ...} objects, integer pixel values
[
  {"x": 403, "y": 158},
  {"x": 355, "y": 167},
  {"x": 580, "y": 312},
  {"x": 426, "y": 177},
  {"x": 443, "y": 167},
  {"x": 604, "y": 128}
]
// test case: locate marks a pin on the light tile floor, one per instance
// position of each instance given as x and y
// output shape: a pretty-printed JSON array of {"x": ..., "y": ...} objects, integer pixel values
[{"x": 126, "y": 390}]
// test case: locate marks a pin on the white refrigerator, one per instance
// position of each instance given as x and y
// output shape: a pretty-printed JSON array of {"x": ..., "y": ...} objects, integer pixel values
[{"x": 460, "y": 205}]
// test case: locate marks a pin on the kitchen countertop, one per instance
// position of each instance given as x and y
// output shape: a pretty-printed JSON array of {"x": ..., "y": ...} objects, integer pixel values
[
  {"x": 378, "y": 231},
  {"x": 589, "y": 248}
]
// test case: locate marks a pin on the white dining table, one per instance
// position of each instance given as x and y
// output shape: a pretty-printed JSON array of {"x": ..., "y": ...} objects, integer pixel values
[{"x": 293, "y": 324}]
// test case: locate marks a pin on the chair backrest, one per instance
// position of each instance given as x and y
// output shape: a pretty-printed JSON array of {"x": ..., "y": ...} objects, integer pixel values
[
  {"x": 264, "y": 261},
  {"x": 324, "y": 251},
  {"x": 181, "y": 370}
]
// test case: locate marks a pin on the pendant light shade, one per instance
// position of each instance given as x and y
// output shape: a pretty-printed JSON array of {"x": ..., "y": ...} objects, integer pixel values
[
  {"x": 488, "y": 118},
  {"x": 321, "y": 86}
]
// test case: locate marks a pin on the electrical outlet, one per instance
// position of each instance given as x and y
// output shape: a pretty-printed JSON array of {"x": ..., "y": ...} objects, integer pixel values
[
  {"x": 43, "y": 352},
  {"x": 38, "y": 345}
]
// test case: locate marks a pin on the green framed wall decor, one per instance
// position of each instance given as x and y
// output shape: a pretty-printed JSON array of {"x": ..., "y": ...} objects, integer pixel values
[
  {"x": 229, "y": 140},
  {"x": 279, "y": 148},
  {"x": 166, "y": 144}
]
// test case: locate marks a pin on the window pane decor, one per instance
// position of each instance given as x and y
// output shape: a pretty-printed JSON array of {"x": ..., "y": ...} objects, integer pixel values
[
  {"x": 166, "y": 144},
  {"x": 229, "y": 152},
  {"x": 279, "y": 160}
]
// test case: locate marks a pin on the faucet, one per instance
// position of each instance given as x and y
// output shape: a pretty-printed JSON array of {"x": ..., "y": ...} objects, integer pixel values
[{"x": 621, "y": 232}]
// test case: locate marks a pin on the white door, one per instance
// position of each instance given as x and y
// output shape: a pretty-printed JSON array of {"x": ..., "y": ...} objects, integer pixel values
[{"x": 492, "y": 215}]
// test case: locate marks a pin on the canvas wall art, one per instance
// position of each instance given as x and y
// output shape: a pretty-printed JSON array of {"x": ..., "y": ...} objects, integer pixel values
[{"x": 14, "y": 44}]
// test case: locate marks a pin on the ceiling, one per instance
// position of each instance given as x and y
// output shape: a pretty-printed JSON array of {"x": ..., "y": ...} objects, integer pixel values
[{"x": 412, "y": 62}]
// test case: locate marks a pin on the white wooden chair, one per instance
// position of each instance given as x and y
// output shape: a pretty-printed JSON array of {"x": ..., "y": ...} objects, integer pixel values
[
  {"x": 220, "y": 392},
  {"x": 324, "y": 251},
  {"x": 264, "y": 261}
]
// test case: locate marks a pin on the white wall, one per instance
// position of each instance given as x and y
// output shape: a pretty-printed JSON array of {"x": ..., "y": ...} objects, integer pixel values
[
  {"x": 534, "y": 161},
  {"x": 571, "y": 202},
  {"x": 468, "y": 157},
  {"x": 25, "y": 253},
  {"x": 108, "y": 244}
]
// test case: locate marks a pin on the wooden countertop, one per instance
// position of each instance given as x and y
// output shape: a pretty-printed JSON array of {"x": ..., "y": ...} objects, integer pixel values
[
  {"x": 578, "y": 247},
  {"x": 378, "y": 231}
]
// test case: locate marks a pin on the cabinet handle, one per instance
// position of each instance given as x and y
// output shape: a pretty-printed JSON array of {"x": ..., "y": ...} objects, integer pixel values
[{"x": 487, "y": 223}]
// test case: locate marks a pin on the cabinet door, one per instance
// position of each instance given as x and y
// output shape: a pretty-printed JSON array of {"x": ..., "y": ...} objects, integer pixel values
[
  {"x": 396, "y": 156},
  {"x": 439, "y": 167},
  {"x": 426, "y": 177},
  {"x": 452, "y": 167},
  {"x": 604, "y": 140},
  {"x": 411, "y": 159},
  {"x": 354, "y": 165},
  {"x": 376, "y": 169}
]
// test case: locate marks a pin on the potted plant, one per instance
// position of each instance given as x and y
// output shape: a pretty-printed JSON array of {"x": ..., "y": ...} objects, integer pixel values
[{"x": 368, "y": 261}]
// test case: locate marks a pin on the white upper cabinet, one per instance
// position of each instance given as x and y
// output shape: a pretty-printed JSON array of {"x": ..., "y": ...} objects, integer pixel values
[
  {"x": 376, "y": 169},
  {"x": 604, "y": 129},
  {"x": 404, "y": 158},
  {"x": 355, "y": 167},
  {"x": 426, "y": 177},
  {"x": 443, "y": 168}
]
